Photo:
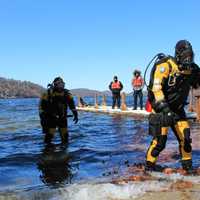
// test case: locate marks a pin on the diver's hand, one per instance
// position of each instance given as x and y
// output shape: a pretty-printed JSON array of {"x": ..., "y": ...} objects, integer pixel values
[
  {"x": 75, "y": 113},
  {"x": 169, "y": 118}
]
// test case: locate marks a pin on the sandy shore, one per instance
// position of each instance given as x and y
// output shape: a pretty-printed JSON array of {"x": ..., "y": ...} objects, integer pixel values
[{"x": 192, "y": 193}]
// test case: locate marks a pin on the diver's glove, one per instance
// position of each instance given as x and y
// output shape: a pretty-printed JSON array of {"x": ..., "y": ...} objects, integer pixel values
[
  {"x": 168, "y": 117},
  {"x": 75, "y": 113}
]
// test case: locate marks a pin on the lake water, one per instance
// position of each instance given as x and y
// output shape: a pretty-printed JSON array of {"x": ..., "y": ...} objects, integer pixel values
[{"x": 102, "y": 149}]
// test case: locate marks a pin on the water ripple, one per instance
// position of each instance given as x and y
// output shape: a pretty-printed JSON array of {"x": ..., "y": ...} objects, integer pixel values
[{"x": 98, "y": 144}]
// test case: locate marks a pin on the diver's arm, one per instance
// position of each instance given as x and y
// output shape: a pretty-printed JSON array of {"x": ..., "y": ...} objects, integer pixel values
[
  {"x": 195, "y": 76},
  {"x": 110, "y": 86},
  {"x": 166, "y": 116},
  {"x": 43, "y": 103},
  {"x": 161, "y": 72},
  {"x": 142, "y": 86},
  {"x": 70, "y": 101},
  {"x": 43, "y": 111},
  {"x": 121, "y": 86}
]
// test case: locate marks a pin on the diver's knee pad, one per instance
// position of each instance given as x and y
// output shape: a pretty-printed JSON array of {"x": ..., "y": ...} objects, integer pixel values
[{"x": 162, "y": 139}]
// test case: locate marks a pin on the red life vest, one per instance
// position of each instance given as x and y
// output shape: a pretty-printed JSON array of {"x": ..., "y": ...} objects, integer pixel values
[
  {"x": 116, "y": 85},
  {"x": 137, "y": 82}
]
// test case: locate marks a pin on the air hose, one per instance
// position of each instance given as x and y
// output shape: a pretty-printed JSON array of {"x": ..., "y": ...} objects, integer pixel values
[{"x": 156, "y": 58}]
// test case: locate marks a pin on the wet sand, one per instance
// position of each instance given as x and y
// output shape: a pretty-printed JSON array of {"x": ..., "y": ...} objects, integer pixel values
[{"x": 192, "y": 193}]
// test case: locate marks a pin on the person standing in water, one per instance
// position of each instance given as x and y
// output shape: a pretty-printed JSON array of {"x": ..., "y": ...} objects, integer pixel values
[{"x": 53, "y": 110}]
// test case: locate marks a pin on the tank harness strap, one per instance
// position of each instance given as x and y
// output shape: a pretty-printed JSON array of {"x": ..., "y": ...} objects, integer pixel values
[
  {"x": 170, "y": 66},
  {"x": 49, "y": 92}
]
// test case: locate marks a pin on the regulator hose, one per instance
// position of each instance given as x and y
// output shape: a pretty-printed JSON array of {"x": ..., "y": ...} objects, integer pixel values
[{"x": 156, "y": 58}]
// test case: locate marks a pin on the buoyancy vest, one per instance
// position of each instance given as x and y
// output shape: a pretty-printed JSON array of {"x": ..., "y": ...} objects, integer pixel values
[
  {"x": 116, "y": 85},
  {"x": 137, "y": 82},
  {"x": 58, "y": 103}
]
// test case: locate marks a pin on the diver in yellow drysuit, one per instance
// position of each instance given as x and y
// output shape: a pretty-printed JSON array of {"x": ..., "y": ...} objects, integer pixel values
[{"x": 170, "y": 82}]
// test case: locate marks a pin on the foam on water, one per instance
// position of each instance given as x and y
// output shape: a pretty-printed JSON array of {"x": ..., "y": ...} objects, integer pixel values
[
  {"x": 91, "y": 191},
  {"x": 102, "y": 191},
  {"x": 177, "y": 177},
  {"x": 124, "y": 191},
  {"x": 108, "y": 191}
]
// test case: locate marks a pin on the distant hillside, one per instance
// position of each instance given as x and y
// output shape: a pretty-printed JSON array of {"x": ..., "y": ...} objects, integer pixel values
[
  {"x": 10, "y": 88},
  {"x": 88, "y": 92}
]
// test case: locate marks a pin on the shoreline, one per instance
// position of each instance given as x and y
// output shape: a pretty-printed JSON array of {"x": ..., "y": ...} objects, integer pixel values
[{"x": 191, "y": 193}]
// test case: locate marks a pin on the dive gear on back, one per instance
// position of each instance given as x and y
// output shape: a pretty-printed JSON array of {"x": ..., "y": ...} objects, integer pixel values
[{"x": 157, "y": 57}]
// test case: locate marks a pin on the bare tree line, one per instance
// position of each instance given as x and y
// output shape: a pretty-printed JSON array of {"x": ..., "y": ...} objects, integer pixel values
[{"x": 10, "y": 88}]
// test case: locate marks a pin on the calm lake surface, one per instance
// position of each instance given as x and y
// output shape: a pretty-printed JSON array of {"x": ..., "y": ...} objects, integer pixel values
[{"x": 101, "y": 148}]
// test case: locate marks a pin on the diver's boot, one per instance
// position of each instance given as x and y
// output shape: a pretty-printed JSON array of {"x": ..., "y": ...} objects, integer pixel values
[
  {"x": 149, "y": 166},
  {"x": 64, "y": 135},
  {"x": 48, "y": 138},
  {"x": 187, "y": 165},
  {"x": 65, "y": 140}
]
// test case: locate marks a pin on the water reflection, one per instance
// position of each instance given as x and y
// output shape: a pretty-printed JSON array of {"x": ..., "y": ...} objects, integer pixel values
[
  {"x": 118, "y": 124},
  {"x": 54, "y": 163},
  {"x": 118, "y": 119}
]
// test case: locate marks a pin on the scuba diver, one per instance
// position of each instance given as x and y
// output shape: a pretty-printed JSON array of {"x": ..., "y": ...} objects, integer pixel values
[
  {"x": 137, "y": 84},
  {"x": 170, "y": 82},
  {"x": 116, "y": 87},
  {"x": 53, "y": 110}
]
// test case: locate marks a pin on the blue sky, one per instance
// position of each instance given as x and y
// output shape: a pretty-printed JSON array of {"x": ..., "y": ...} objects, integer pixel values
[{"x": 87, "y": 42}]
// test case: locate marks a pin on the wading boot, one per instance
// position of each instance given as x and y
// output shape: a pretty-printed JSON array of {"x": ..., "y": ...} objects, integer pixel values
[
  {"x": 149, "y": 167},
  {"x": 187, "y": 166}
]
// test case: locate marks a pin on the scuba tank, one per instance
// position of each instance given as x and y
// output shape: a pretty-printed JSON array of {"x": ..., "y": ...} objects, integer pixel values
[{"x": 156, "y": 58}]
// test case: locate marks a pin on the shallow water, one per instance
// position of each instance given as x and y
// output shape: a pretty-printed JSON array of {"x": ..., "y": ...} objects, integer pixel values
[{"x": 101, "y": 148}]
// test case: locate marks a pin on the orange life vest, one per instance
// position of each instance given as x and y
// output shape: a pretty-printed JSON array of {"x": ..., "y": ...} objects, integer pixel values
[
  {"x": 137, "y": 82},
  {"x": 116, "y": 85}
]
